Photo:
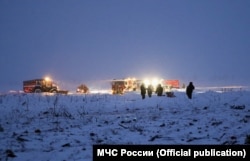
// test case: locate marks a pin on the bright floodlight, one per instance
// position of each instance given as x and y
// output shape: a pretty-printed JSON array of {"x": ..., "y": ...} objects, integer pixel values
[
  {"x": 47, "y": 79},
  {"x": 155, "y": 82},
  {"x": 146, "y": 82}
]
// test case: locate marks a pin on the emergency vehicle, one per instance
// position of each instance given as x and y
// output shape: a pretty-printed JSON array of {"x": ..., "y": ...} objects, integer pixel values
[
  {"x": 41, "y": 85},
  {"x": 82, "y": 89},
  {"x": 119, "y": 86}
]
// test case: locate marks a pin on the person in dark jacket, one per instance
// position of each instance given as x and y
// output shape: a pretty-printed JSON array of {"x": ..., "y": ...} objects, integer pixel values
[
  {"x": 150, "y": 90},
  {"x": 143, "y": 91},
  {"x": 189, "y": 90},
  {"x": 159, "y": 90}
]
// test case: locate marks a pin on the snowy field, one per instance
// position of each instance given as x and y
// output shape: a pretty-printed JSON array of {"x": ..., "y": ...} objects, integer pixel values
[{"x": 45, "y": 127}]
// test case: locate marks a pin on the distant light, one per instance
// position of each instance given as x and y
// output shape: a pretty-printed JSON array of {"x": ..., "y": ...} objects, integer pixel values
[
  {"x": 101, "y": 91},
  {"x": 146, "y": 82},
  {"x": 155, "y": 82},
  {"x": 47, "y": 79}
]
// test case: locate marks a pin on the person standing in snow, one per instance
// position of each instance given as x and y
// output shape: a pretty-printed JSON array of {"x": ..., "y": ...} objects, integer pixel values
[
  {"x": 150, "y": 90},
  {"x": 159, "y": 90},
  {"x": 189, "y": 90},
  {"x": 143, "y": 91}
]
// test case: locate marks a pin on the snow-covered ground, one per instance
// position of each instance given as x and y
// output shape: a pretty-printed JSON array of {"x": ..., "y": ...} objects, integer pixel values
[{"x": 64, "y": 127}]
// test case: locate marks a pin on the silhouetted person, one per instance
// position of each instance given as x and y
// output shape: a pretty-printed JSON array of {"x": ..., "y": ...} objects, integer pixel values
[
  {"x": 150, "y": 90},
  {"x": 159, "y": 90},
  {"x": 189, "y": 90},
  {"x": 143, "y": 91}
]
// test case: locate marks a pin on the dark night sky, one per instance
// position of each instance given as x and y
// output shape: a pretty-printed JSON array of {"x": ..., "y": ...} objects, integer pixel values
[{"x": 93, "y": 40}]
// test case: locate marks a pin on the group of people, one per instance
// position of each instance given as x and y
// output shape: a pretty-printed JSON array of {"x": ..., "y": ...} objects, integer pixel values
[
  {"x": 149, "y": 90},
  {"x": 159, "y": 90}
]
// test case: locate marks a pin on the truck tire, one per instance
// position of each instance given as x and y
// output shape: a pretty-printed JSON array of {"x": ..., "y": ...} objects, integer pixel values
[
  {"x": 54, "y": 91},
  {"x": 38, "y": 90}
]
